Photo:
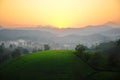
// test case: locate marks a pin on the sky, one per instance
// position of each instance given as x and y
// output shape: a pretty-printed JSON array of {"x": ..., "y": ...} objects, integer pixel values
[{"x": 58, "y": 13}]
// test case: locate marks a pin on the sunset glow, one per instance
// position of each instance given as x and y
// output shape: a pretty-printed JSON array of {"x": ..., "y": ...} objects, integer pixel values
[{"x": 58, "y": 13}]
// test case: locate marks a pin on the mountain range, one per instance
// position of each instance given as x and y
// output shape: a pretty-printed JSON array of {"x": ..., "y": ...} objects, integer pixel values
[{"x": 88, "y": 35}]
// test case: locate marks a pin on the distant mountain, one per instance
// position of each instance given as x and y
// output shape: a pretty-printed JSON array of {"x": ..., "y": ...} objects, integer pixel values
[
  {"x": 88, "y": 30},
  {"x": 112, "y": 32},
  {"x": 88, "y": 35},
  {"x": 1, "y": 28},
  {"x": 34, "y": 35}
]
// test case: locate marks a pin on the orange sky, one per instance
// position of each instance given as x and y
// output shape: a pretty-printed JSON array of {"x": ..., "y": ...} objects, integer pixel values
[{"x": 59, "y": 13}]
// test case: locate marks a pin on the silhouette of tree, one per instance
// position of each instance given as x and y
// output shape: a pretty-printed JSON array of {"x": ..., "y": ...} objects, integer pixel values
[
  {"x": 80, "y": 48},
  {"x": 46, "y": 47},
  {"x": 16, "y": 53},
  {"x": 2, "y": 47}
]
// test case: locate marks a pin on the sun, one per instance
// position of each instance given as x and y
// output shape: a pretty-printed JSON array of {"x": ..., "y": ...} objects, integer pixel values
[{"x": 60, "y": 24}]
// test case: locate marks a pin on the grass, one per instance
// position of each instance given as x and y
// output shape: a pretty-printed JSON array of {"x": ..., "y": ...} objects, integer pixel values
[{"x": 46, "y": 65}]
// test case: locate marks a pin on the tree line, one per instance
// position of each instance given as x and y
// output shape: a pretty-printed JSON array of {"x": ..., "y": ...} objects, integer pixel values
[
  {"x": 8, "y": 53},
  {"x": 105, "y": 56}
]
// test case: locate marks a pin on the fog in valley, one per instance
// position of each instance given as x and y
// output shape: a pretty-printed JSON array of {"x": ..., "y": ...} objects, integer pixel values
[{"x": 64, "y": 38}]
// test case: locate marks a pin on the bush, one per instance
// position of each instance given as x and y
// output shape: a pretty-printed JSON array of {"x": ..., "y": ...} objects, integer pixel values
[
  {"x": 86, "y": 56},
  {"x": 46, "y": 47},
  {"x": 80, "y": 48},
  {"x": 16, "y": 53}
]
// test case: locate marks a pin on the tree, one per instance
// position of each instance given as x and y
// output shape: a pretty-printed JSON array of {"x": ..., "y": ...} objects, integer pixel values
[
  {"x": 97, "y": 60},
  {"x": 11, "y": 46},
  {"x": 114, "y": 60},
  {"x": 86, "y": 56},
  {"x": 16, "y": 53},
  {"x": 5, "y": 53},
  {"x": 2, "y": 47},
  {"x": 80, "y": 48},
  {"x": 25, "y": 51},
  {"x": 118, "y": 42},
  {"x": 46, "y": 47}
]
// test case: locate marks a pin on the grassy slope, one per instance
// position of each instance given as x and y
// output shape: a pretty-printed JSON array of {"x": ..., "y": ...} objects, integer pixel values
[
  {"x": 106, "y": 76},
  {"x": 46, "y": 65}
]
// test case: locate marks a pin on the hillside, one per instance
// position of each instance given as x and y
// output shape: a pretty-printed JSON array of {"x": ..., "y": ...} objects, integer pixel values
[{"x": 46, "y": 65}]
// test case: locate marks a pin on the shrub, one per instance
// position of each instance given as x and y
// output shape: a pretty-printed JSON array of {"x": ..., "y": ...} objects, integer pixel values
[{"x": 80, "y": 48}]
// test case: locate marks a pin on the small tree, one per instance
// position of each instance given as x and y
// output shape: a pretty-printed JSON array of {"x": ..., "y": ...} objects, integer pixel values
[
  {"x": 113, "y": 60},
  {"x": 46, "y": 47},
  {"x": 25, "y": 51},
  {"x": 16, "y": 53},
  {"x": 80, "y": 48},
  {"x": 86, "y": 56},
  {"x": 11, "y": 46},
  {"x": 118, "y": 42},
  {"x": 2, "y": 47},
  {"x": 97, "y": 60}
]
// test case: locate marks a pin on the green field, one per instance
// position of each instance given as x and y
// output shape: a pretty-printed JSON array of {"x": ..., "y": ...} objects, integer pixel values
[
  {"x": 45, "y": 65},
  {"x": 51, "y": 65}
]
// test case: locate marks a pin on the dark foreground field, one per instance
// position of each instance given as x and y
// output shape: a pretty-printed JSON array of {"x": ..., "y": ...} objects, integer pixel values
[{"x": 49, "y": 65}]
